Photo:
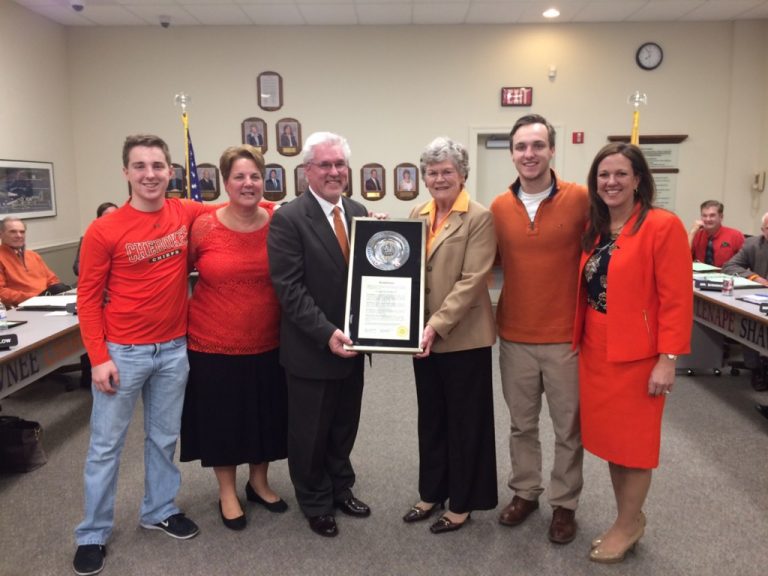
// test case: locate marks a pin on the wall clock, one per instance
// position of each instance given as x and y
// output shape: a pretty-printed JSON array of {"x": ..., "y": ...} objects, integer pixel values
[{"x": 649, "y": 56}]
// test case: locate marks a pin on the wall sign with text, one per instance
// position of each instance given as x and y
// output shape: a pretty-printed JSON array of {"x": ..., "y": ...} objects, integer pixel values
[{"x": 517, "y": 96}]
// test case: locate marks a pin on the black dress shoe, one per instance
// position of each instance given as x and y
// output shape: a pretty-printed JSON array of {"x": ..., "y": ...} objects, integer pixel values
[
  {"x": 233, "y": 523},
  {"x": 763, "y": 409},
  {"x": 416, "y": 514},
  {"x": 280, "y": 506},
  {"x": 353, "y": 507},
  {"x": 445, "y": 525},
  {"x": 324, "y": 525}
]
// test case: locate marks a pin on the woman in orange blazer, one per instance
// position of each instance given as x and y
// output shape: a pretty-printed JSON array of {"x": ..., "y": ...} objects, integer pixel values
[
  {"x": 634, "y": 316},
  {"x": 457, "y": 448}
]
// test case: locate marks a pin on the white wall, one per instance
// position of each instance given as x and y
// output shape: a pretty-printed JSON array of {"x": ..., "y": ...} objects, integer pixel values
[
  {"x": 390, "y": 90},
  {"x": 35, "y": 114}
]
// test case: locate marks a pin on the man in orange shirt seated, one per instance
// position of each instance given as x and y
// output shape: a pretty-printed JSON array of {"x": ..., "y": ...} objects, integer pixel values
[{"x": 23, "y": 273}]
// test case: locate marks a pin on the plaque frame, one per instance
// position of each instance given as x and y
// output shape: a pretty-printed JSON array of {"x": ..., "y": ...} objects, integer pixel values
[{"x": 413, "y": 269}]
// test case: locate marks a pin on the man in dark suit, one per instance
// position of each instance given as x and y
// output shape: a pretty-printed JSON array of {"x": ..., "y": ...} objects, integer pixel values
[
  {"x": 325, "y": 382},
  {"x": 372, "y": 183},
  {"x": 206, "y": 183},
  {"x": 273, "y": 182},
  {"x": 254, "y": 138}
]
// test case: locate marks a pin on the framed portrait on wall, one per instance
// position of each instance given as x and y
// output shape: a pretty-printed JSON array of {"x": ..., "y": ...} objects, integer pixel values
[
  {"x": 208, "y": 181},
  {"x": 300, "y": 180},
  {"x": 27, "y": 189},
  {"x": 269, "y": 86},
  {"x": 406, "y": 181},
  {"x": 372, "y": 181},
  {"x": 254, "y": 133},
  {"x": 348, "y": 190},
  {"x": 177, "y": 185},
  {"x": 288, "y": 133},
  {"x": 274, "y": 182}
]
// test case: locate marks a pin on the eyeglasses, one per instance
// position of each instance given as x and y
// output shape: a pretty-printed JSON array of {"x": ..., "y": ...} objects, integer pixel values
[
  {"x": 327, "y": 166},
  {"x": 446, "y": 174}
]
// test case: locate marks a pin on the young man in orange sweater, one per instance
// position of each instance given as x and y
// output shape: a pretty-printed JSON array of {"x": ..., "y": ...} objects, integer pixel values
[
  {"x": 136, "y": 340},
  {"x": 539, "y": 222}
]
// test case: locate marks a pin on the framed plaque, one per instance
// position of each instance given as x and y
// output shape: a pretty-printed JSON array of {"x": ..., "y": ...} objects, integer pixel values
[
  {"x": 274, "y": 182},
  {"x": 269, "y": 86},
  {"x": 406, "y": 181},
  {"x": 385, "y": 285},
  {"x": 177, "y": 185},
  {"x": 288, "y": 136},
  {"x": 372, "y": 182},
  {"x": 208, "y": 181},
  {"x": 254, "y": 132}
]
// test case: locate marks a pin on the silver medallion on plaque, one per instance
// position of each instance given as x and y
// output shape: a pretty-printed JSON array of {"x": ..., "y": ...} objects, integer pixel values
[{"x": 387, "y": 250}]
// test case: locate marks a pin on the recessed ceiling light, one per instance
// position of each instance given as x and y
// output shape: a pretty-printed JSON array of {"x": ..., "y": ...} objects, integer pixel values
[{"x": 551, "y": 13}]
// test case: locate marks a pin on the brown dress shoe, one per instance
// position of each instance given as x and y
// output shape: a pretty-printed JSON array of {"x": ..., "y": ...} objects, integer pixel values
[
  {"x": 562, "y": 530},
  {"x": 517, "y": 511}
]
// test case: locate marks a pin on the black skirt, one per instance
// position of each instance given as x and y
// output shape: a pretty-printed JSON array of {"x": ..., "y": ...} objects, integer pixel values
[{"x": 235, "y": 409}]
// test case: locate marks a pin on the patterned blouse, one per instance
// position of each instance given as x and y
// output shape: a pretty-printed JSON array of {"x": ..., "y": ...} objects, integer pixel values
[{"x": 596, "y": 273}]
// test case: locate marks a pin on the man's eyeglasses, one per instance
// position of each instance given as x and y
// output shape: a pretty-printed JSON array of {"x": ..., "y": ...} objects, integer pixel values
[{"x": 326, "y": 166}]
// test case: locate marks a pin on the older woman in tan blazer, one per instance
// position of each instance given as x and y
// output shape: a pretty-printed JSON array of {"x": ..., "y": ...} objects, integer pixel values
[{"x": 457, "y": 449}]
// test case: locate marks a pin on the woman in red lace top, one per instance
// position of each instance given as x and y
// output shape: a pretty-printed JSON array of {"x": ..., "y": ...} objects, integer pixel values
[{"x": 235, "y": 407}]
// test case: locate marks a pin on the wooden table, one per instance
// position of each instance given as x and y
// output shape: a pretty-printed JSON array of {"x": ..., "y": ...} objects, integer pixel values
[{"x": 46, "y": 342}]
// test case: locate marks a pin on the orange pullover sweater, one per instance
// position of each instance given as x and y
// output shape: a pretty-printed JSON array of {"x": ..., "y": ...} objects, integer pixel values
[{"x": 540, "y": 260}]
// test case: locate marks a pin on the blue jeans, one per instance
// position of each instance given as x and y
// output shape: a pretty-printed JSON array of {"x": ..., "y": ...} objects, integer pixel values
[{"x": 159, "y": 373}]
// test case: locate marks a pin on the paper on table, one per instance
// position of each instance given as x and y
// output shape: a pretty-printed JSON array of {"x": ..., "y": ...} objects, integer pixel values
[{"x": 59, "y": 301}]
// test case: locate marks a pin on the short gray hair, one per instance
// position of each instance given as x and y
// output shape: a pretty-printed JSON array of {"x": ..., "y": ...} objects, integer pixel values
[
  {"x": 442, "y": 149},
  {"x": 10, "y": 219},
  {"x": 317, "y": 138}
]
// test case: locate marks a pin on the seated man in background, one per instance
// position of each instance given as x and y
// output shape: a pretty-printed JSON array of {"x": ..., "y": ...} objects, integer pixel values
[
  {"x": 711, "y": 242},
  {"x": 752, "y": 262},
  {"x": 23, "y": 273}
]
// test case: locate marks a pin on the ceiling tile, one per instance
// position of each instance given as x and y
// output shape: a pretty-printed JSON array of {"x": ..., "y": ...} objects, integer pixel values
[
  {"x": 494, "y": 13},
  {"x": 274, "y": 14},
  {"x": 224, "y": 15},
  {"x": 721, "y": 9},
  {"x": 328, "y": 14},
  {"x": 384, "y": 14},
  {"x": 608, "y": 10},
  {"x": 440, "y": 13}
]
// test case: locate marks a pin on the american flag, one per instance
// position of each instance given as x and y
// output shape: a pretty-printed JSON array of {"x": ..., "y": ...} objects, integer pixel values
[{"x": 193, "y": 186}]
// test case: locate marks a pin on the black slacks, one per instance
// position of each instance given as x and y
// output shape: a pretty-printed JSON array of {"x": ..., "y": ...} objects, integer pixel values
[
  {"x": 323, "y": 417},
  {"x": 457, "y": 446}
]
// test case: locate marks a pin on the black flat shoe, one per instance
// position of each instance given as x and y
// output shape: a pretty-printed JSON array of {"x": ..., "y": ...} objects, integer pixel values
[
  {"x": 762, "y": 409},
  {"x": 445, "y": 525},
  {"x": 233, "y": 523},
  {"x": 280, "y": 506},
  {"x": 416, "y": 514}
]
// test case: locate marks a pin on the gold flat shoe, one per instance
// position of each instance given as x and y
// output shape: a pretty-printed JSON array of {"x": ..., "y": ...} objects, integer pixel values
[
  {"x": 599, "y": 540},
  {"x": 601, "y": 557}
]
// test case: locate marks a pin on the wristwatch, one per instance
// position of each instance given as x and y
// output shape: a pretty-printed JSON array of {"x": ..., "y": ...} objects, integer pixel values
[{"x": 672, "y": 357}]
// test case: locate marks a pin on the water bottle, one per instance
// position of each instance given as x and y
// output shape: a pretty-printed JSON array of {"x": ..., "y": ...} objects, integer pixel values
[
  {"x": 3, "y": 317},
  {"x": 727, "y": 286}
]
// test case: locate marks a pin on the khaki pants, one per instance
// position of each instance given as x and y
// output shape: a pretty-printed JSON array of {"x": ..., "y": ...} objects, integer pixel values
[{"x": 527, "y": 372}]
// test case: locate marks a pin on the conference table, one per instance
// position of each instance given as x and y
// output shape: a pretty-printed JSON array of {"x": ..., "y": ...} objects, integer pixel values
[
  {"x": 716, "y": 317},
  {"x": 47, "y": 341}
]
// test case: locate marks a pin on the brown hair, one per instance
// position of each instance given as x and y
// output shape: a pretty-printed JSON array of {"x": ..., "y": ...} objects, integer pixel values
[
  {"x": 233, "y": 153},
  {"x": 599, "y": 219},
  {"x": 148, "y": 140}
]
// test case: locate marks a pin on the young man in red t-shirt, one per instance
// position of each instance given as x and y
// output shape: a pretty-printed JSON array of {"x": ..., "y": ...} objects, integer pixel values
[{"x": 132, "y": 304}]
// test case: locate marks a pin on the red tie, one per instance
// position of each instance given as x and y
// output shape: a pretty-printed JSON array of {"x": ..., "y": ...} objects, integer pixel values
[{"x": 341, "y": 233}]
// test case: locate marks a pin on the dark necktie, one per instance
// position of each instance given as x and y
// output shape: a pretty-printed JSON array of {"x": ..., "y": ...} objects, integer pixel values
[
  {"x": 341, "y": 233},
  {"x": 709, "y": 254}
]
